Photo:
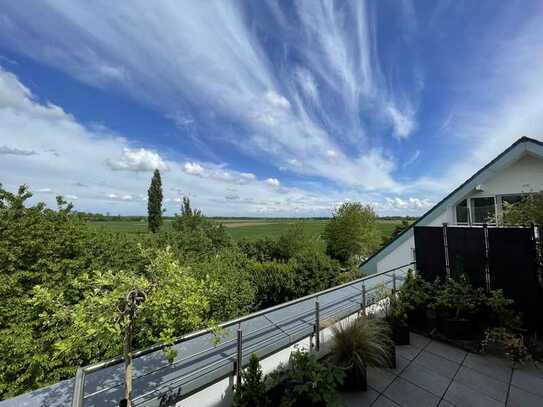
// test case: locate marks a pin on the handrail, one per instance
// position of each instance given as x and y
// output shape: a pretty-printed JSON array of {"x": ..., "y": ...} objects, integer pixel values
[{"x": 83, "y": 371}]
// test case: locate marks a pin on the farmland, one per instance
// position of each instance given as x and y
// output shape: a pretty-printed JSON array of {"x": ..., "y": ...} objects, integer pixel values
[{"x": 250, "y": 229}]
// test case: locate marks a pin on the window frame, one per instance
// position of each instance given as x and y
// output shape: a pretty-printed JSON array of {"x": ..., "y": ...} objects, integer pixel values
[{"x": 472, "y": 209}]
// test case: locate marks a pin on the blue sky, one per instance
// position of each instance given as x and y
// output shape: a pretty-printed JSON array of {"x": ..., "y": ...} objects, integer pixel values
[{"x": 268, "y": 108}]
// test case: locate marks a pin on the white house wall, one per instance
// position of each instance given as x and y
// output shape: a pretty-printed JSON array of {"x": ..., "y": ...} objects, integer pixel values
[
  {"x": 402, "y": 255},
  {"x": 525, "y": 175}
]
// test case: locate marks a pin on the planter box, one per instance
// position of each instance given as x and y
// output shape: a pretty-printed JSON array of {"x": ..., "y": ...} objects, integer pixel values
[
  {"x": 458, "y": 328},
  {"x": 400, "y": 333},
  {"x": 355, "y": 379}
]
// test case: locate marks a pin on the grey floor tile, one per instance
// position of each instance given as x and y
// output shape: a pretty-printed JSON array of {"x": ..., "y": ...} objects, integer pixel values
[
  {"x": 382, "y": 401},
  {"x": 418, "y": 341},
  {"x": 426, "y": 378},
  {"x": 401, "y": 364},
  {"x": 445, "y": 403},
  {"x": 446, "y": 351},
  {"x": 464, "y": 396},
  {"x": 528, "y": 380},
  {"x": 522, "y": 398},
  {"x": 482, "y": 383},
  {"x": 359, "y": 398},
  {"x": 409, "y": 352},
  {"x": 379, "y": 378},
  {"x": 438, "y": 364},
  {"x": 407, "y": 394},
  {"x": 492, "y": 366}
]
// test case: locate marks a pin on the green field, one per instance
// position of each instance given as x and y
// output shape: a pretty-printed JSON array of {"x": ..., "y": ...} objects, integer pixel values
[{"x": 251, "y": 229}]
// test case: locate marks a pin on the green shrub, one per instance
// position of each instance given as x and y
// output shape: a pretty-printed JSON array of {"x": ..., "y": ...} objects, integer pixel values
[
  {"x": 503, "y": 340},
  {"x": 252, "y": 392},
  {"x": 457, "y": 298},
  {"x": 313, "y": 271},
  {"x": 305, "y": 382},
  {"x": 274, "y": 283}
]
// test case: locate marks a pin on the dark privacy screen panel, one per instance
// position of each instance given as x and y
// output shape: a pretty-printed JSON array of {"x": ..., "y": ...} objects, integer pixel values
[
  {"x": 467, "y": 254},
  {"x": 512, "y": 262},
  {"x": 513, "y": 268},
  {"x": 429, "y": 252}
]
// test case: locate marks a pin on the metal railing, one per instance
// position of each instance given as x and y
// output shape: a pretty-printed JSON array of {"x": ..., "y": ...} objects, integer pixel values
[{"x": 282, "y": 326}]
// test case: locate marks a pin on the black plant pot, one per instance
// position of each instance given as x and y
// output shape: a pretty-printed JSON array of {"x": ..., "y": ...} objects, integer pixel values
[
  {"x": 392, "y": 357},
  {"x": 356, "y": 378},
  {"x": 417, "y": 319},
  {"x": 285, "y": 390},
  {"x": 432, "y": 320},
  {"x": 400, "y": 332},
  {"x": 457, "y": 328}
]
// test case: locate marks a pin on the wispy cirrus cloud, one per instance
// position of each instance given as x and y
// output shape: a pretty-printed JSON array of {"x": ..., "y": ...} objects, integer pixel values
[{"x": 224, "y": 67}]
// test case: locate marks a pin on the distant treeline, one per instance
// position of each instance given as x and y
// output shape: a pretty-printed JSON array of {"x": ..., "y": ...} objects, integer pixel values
[{"x": 99, "y": 217}]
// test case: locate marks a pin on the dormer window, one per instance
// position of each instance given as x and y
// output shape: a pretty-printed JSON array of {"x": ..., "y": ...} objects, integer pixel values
[
  {"x": 462, "y": 212},
  {"x": 483, "y": 210}
]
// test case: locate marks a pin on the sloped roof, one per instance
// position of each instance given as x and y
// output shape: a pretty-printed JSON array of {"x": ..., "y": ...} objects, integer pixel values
[{"x": 509, "y": 155}]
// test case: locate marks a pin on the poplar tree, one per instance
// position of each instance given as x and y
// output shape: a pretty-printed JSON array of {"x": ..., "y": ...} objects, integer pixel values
[{"x": 154, "y": 203}]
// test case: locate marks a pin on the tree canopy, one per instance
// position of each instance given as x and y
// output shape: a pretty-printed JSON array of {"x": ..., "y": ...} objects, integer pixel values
[
  {"x": 154, "y": 203},
  {"x": 352, "y": 232}
]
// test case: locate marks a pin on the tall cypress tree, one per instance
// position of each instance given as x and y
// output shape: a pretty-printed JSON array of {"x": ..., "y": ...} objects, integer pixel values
[{"x": 154, "y": 203}]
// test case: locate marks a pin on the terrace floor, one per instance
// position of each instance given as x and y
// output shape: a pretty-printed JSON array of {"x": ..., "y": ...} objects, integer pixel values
[{"x": 430, "y": 373}]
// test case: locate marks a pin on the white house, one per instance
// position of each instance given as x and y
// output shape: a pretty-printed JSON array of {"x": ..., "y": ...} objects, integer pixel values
[{"x": 519, "y": 169}]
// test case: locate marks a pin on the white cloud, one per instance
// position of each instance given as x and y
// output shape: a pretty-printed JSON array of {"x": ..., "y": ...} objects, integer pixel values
[
  {"x": 216, "y": 64},
  {"x": 410, "y": 203},
  {"x": 5, "y": 150},
  {"x": 127, "y": 197},
  {"x": 45, "y": 190},
  {"x": 403, "y": 123},
  {"x": 411, "y": 159},
  {"x": 274, "y": 182},
  {"x": 112, "y": 196},
  {"x": 193, "y": 168},
  {"x": 137, "y": 160},
  {"x": 332, "y": 155},
  {"x": 277, "y": 100},
  {"x": 72, "y": 197}
]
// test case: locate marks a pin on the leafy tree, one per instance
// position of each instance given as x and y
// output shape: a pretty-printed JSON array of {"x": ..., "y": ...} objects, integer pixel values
[
  {"x": 292, "y": 241},
  {"x": 154, "y": 203},
  {"x": 528, "y": 210},
  {"x": 193, "y": 220},
  {"x": 274, "y": 283},
  {"x": 313, "y": 271},
  {"x": 352, "y": 232}
]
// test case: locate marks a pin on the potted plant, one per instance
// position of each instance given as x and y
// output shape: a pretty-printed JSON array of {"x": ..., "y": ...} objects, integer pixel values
[
  {"x": 304, "y": 381},
  {"x": 358, "y": 344},
  {"x": 457, "y": 304},
  {"x": 396, "y": 317},
  {"x": 500, "y": 341},
  {"x": 415, "y": 296}
]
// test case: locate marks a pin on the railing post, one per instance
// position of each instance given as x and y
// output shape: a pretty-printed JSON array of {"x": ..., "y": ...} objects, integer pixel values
[
  {"x": 363, "y": 305},
  {"x": 79, "y": 386},
  {"x": 239, "y": 357},
  {"x": 317, "y": 326},
  {"x": 487, "y": 266},
  {"x": 446, "y": 248}
]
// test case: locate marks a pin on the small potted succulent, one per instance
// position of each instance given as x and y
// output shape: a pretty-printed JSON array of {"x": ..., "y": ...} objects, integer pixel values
[{"x": 358, "y": 344}]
